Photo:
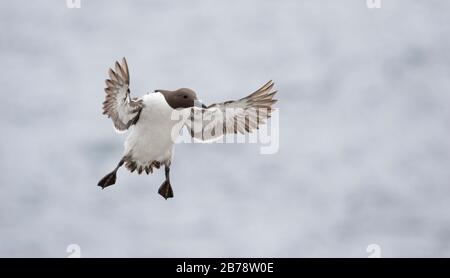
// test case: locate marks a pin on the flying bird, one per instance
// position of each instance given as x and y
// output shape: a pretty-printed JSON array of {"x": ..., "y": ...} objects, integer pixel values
[{"x": 153, "y": 128}]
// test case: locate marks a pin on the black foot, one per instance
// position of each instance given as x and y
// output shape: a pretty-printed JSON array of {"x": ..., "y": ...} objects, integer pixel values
[
  {"x": 165, "y": 190},
  {"x": 108, "y": 180}
]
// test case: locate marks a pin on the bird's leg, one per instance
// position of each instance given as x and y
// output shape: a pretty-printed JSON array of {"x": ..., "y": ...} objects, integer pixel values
[
  {"x": 165, "y": 189},
  {"x": 110, "y": 178}
]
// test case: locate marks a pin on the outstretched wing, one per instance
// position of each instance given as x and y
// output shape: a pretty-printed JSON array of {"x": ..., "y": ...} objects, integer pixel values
[
  {"x": 243, "y": 115},
  {"x": 118, "y": 104}
]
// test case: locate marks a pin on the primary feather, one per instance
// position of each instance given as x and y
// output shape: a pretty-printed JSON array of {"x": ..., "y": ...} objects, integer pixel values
[
  {"x": 118, "y": 104},
  {"x": 243, "y": 115}
]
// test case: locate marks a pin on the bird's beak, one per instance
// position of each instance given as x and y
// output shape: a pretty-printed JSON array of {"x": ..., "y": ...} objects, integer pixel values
[{"x": 199, "y": 104}]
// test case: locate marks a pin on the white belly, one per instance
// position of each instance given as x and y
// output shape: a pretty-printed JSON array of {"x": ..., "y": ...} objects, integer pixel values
[{"x": 151, "y": 138}]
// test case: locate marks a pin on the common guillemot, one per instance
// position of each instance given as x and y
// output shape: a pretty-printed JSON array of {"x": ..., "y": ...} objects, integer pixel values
[{"x": 153, "y": 129}]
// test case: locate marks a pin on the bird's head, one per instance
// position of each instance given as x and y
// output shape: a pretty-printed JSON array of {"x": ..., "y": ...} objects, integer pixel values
[{"x": 181, "y": 98}]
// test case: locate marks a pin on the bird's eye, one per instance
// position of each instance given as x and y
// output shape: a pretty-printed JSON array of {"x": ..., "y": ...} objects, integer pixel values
[{"x": 185, "y": 96}]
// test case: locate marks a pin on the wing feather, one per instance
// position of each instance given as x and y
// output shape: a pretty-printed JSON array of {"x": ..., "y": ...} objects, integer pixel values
[
  {"x": 118, "y": 105},
  {"x": 243, "y": 115}
]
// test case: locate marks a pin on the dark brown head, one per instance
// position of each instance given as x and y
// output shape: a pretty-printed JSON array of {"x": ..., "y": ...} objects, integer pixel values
[{"x": 181, "y": 98}]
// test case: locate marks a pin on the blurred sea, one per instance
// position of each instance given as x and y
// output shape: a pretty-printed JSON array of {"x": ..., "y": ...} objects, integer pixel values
[{"x": 364, "y": 129}]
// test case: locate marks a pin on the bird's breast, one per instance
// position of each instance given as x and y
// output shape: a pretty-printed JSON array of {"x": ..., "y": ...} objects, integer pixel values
[{"x": 152, "y": 137}]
